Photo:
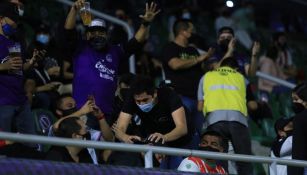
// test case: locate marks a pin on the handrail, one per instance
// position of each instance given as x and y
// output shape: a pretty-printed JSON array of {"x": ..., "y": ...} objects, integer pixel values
[
  {"x": 148, "y": 149},
  {"x": 275, "y": 80},
  {"x": 114, "y": 20}
]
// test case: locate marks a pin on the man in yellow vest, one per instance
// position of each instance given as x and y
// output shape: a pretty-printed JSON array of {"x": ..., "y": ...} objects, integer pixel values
[{"x": 224, "y": 105}]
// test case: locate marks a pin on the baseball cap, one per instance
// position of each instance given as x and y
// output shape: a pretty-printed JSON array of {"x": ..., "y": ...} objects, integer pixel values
[
  {"x": 97, "y": 24},
  {"x": 226, "y": 29},
  {"x": 281, "y": 123}
]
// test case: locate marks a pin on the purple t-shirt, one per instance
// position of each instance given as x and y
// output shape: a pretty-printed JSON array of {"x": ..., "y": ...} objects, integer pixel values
[
  {"x": 11, "y": 85},
  {"x": 95, "y": 73}
]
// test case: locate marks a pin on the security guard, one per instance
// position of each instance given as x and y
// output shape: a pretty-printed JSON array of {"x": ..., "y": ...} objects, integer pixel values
[{"x": 224, "y": 93}]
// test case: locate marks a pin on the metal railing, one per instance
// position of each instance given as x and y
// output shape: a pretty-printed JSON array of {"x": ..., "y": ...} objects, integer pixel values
[
  {"x": 149, "y": 150},
  {"x": 113, "y": 20},
  {"x": 275, "y": 80}
]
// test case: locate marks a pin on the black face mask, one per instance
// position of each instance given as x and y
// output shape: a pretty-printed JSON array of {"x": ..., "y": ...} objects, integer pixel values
[
  {"x": 69, "y": 111},
  {"x": 87, "y": 136},
  {"x": 289, "y": 133},
  {"x": 208, "y": 148},
  {"x": 98, "y": 43},
  {"x": 224, "y": 44},
  {"x": 297, "y": 107}
]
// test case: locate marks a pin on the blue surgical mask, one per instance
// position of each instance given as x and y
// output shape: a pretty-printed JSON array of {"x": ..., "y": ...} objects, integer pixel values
[
  {"x": 147, "y": 106},
  {"x": 42, "y": 38},
  {"x": 8, "y": 30}
]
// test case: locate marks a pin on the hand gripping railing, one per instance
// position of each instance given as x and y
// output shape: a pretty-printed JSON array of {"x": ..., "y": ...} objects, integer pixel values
[
  {"x": 113, "y": 20},
  {"x": 149, "y": 150}
]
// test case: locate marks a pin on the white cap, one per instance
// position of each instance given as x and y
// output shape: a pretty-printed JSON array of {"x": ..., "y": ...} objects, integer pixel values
[{"x": 98, "y": 23}]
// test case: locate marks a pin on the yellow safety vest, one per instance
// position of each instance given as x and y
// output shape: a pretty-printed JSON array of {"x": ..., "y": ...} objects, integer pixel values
[{"x": 224, "y": 89}]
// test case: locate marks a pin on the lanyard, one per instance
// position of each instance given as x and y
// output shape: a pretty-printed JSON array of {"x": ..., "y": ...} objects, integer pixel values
[{"x": 41, "y": 76}]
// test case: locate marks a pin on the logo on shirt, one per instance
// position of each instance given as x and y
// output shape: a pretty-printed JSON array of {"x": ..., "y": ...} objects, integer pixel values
[
  {"x": 186, "y": 56},
  {"x": 104, "y": 71},
  {"x": 188, "y": 166}
]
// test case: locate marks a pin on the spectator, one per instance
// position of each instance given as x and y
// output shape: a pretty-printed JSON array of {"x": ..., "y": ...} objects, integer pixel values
[
  {"x": 210, "y": 141},
  {"x": 14, "y": 107},
  {"x": 122, "y": 93},
  {"x": 182, "y": 65},
  {"x": 162, "y": 114},
  {"x": 226, "y": 47},
  {"x": 96, "y": 63},
  {"x": 75, "y": 128},
  {"x": 299, "y": 96},
  {"x": 268, "y": 65},
  {"x": 41, "y": 83},
  {"x": 284, "y": 59},
  {"x": 229, "y": 116},
  {"x": 65, "y": 107},
  {"x": 282, "y": 146}
]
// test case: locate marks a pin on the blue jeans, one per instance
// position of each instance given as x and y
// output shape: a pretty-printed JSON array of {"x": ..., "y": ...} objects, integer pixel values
[{"x": 17, "y": 119}]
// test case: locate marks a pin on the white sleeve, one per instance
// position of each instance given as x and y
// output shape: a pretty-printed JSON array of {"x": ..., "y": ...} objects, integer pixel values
[
  {"x": 286, "y": 148},
  {"x": 188, "y": 165},
  {"x": 200, "y": 91}
]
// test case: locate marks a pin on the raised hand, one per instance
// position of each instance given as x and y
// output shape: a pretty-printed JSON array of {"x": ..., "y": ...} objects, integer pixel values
[
  {"x": 256, "y": 48},
  {"x": 78, "y": 4},
  {"x": 150, "y": 12}
]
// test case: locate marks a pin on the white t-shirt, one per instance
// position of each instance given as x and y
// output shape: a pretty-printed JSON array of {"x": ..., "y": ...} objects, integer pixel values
[{"x": 285, "y": 153}]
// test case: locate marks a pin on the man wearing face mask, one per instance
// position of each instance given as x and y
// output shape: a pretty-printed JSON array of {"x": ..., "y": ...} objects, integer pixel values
[
  {"x": 65, "y": 107},
  {"x": 226, "y": 45},
  {"x": 282, "y": 146},
  {"x": 299, "y": 145},
  {"x": 96, "y": 62},
  {"x": 182, "y": 66},
  {"x": 75, "y": 128},
  {"x": 161, "y": 111},
  {"x": 210, "y": 141},
  {"x": 14, "y": 107},
  {"x": 164, "y": 119}
]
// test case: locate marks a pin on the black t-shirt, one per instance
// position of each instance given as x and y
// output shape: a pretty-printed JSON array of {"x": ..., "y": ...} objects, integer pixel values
[
  {"x": 185, "y": 81},
  {"x": 39, "y": 75},
  {"x": 59, "y": 153},
  {"x": 159, "y": 119}
]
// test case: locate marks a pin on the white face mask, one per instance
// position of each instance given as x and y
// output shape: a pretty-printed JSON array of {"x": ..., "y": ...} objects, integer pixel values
[{"x": 21, "y": 11}]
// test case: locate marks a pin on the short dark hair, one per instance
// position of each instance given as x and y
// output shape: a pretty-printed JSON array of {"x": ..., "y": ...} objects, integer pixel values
[
  {"x": 55, "y": 105},
  {"x": 301, "y": 91},
  {"x": 126, "y": 79},
  {"x": 59, "y": 100},
  {"x": 230, "y": 62},
  {"x": 142, "y": 84},
  {"x": 226, "y": 29},
  {"x": 216, "y": 134},
  {"x": 181, "y": 24},
  {"x": 67, "y": 127}
]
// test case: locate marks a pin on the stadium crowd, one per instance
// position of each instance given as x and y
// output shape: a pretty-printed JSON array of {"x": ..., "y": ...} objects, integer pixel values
[{"x": 76, "y": 84}]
